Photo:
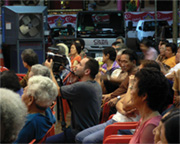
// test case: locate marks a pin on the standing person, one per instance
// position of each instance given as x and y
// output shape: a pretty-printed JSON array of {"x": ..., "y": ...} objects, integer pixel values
[
  {"x": 29, "y": 58},
  {"x": 149, "y": 52},
  {"x": 170, "y": 54},
  {"x": 85, "y": 97},
  {"x": 148, "y": 94}
]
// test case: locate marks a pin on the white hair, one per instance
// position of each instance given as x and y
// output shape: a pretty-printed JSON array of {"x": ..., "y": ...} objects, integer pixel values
[
  {"x": 120, "y": 52},
  {"x": 39, "y": 69},
  {"x": 13, "y": 115},
  {"x": 65, "y": 48},
  {"x": 43, "y": 89}
]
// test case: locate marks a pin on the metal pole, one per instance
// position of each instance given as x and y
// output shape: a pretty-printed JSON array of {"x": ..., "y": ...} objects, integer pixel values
[
  {"x": 155, "y": 22},
  {"x": 175, "y": 21}
]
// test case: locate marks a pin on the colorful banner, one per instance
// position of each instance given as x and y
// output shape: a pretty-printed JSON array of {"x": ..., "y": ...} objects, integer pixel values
[
  {"x": 136, "y": 16},
  {"x": 61, "y": 20}
]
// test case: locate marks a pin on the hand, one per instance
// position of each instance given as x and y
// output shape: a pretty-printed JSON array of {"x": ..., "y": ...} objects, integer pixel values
[
  {"x": 49, "y": 64},
  {"x": 104, "y": 77},
  {"x": 102, "y": 70},
  {"x": 177, "y": 101},
  {"x": 113, "y": 102},
  {"x": 131, "y": 80},
  {"x": 131, "y": 113},
  {"x": 106, "y": 97}
]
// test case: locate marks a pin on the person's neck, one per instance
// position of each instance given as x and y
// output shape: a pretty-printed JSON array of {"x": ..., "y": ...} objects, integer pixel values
[
  {"x": 86, "y": 78},
  {"x": 132, "y": 69},
  {"x": 29, "y": 68},
  {"x": 34, "y": 109},
  {"x": 74, "y": 55},
  {"x": 146, "y": 113},
  {"x": 109, "y": 64}
]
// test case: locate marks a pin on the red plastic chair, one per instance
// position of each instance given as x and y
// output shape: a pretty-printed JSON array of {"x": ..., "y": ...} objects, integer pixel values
[
  {"x": 49, "y": 133},
  {"x": 117, "y": 139},
  {"x": 113, "y": 129},
  {"x": 52, "y": 107},
  {"x": 20, "y": 76},
  {"x": 33, "y": 141},
  {"x": 105, "y": 113}
]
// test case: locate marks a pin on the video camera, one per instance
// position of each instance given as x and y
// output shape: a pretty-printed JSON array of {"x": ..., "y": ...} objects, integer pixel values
[{"x": 58, "y": 56}]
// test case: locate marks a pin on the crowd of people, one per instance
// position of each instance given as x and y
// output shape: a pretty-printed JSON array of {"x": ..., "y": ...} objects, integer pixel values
[{"x": 142, "y": 88}]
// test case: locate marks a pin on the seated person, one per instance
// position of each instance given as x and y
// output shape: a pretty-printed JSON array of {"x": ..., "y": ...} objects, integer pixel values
[
  {"x": 13, "y": 115},
  {"x": 176, "y": 88},
  {"x": 82, "y": 43},
  {"x": 95, "y": 134},
  {"x": 39, "y": 69},
  {"x": 128, "y": 62},
  {"x": 148, "y": 96},
  {"x": 120, "y": 39},
  {"x": 148, "y": 51},
  {"x": 118, "y": 75},
  {"x": 168, "y": 129},
  {"x": 170, "y": 53},
  {"x": 109, "y": 57},
  {"x": 29, "y": 58},
  {"x": 38, "y": 96},
  {"x": 171, "y": 73},
  {"x": 162, "y": 48},
  {"x": 75, "y": 50},
  {"x": 125, "y": 113},
  {"x": 85, "y": 97},
  {"x": 9, "y": 80}
]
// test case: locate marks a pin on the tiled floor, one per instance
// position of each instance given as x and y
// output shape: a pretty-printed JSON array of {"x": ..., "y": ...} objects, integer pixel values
[{"x": 58, "y": 127}]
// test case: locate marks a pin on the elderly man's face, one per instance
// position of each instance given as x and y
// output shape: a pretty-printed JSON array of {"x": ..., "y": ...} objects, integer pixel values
[
  {"x": 126, "y": 63},
  {"x": 80, "y": 68}
]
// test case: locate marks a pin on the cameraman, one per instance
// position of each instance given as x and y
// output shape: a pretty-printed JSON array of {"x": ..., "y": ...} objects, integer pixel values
[{"x": 85, "y": 97}]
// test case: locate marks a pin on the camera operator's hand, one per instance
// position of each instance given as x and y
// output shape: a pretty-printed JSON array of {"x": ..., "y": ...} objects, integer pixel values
[{"x": 49, "y": 64}]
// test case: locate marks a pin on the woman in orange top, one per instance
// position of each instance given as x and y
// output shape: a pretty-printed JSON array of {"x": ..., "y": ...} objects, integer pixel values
[
  {"x": 170, "y": 53},
  {"x": 74, "y": 52}
]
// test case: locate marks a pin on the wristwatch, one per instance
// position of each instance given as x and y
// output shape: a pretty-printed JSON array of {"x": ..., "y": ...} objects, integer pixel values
[{"x": 119, "y": 97}]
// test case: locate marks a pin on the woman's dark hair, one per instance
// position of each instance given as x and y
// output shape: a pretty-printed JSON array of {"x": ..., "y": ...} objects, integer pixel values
[
  {"x": 78, "y": 46},
  {"x": 81, "y": 41},
  {"x": 173, "y": 47},
  {"x": 9, "y": 80},
  {"x": 171, "y": 123},
  {"x": 147, "y": 42},
  {"x": 150, "y": 63},
  {"x": 111, "y": 51},
  {"x": 153, "y": 83},
  {"x": 164, "y": 41}
]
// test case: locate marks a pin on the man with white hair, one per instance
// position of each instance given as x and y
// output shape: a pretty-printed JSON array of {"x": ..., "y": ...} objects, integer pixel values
[
  {"x": 13, "y": 114},
  {"x": 38, "y": 96}
]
